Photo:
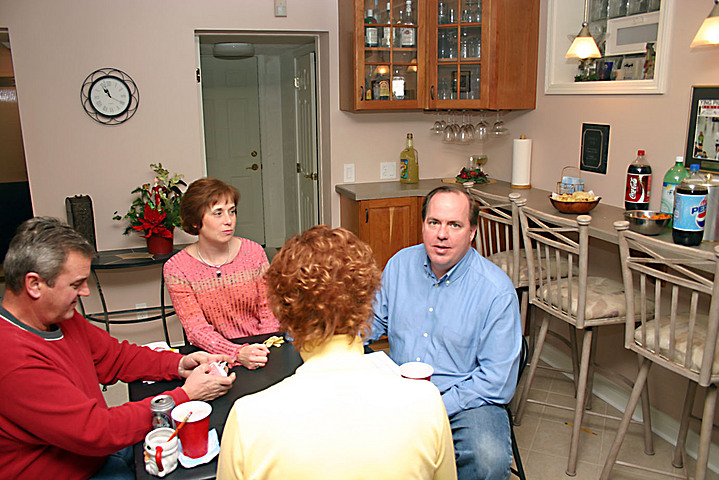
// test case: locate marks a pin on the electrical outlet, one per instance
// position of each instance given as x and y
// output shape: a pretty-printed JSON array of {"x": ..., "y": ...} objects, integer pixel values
[
  {"x": 349, "y": 175},
  {"x": 388, "y": 170},
  {"x": 141, "y": 315},
  {"x": 280, "y": 8}
]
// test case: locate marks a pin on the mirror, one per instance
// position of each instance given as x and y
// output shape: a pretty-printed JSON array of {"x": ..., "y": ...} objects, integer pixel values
[{"x": 624, "y": 75}]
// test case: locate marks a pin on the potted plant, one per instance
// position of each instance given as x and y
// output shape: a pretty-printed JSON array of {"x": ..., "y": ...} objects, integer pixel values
[{"x": 156, "y": 210}]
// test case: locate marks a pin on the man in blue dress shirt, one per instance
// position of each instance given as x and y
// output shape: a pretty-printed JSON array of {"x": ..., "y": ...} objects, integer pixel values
[{"x": 442, "y": 303}]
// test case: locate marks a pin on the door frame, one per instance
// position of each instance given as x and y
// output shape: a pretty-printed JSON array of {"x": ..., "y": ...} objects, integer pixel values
[{"x": 320, "y": 44}]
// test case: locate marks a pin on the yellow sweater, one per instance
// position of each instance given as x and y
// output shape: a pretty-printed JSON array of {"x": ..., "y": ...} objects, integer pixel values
[{"x": 339, "y": 417}]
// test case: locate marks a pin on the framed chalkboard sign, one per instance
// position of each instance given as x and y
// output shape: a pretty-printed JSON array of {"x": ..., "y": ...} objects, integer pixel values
[
  {"x": 703, "y": 131},
  {"x": 595, "y": 148}
]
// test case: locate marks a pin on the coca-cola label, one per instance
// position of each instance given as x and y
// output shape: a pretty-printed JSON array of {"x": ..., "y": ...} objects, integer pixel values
[{"x": 638, "y": 187}]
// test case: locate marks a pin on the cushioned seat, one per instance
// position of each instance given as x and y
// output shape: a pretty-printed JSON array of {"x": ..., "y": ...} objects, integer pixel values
[
  {"x": 605, "y": 299},
  {"x": 505, "y": 259}
]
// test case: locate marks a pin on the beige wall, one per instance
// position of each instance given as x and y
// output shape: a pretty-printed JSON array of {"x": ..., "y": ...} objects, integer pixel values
[{"x": 57, "y": 44}]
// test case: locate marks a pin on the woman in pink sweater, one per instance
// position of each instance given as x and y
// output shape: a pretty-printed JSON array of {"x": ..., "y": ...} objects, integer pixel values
[{"x": 216, "y": 283}]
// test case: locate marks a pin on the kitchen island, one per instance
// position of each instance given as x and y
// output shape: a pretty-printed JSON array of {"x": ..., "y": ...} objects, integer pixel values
[{"x": 352, "y": 194}]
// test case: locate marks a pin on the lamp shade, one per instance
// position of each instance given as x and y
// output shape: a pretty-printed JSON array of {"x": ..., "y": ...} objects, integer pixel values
[
  {"x": 708, "y": 33},
  {"x": 583, "y": 45},
  {"x": 233, "y": 50}
]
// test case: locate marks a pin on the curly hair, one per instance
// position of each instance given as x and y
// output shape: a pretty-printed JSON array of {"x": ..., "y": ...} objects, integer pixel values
[
  {"x": 201, "y": 195},
  {"x": 322, "y": 283}
]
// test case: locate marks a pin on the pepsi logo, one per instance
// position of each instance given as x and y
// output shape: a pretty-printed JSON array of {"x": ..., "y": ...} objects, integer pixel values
[{"x": 701, "y": 213}]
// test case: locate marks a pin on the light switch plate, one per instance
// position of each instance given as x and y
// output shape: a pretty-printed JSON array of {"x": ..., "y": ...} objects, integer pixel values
[
  {"x": 388, "y": 170},
  {"x": 280, "y": 8},
  {"x": 349, "y": 172}
]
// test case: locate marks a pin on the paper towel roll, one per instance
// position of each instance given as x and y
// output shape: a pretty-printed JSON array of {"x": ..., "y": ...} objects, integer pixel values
[{"x": 521, "y": 162}]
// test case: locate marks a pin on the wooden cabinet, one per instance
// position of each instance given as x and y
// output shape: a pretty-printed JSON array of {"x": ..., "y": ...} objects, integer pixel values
[
  {"x": 387, "y": 224},
  {"x": 467, "y": 54}
]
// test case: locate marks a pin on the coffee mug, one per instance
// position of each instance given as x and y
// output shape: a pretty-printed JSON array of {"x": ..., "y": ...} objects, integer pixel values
[{"x": 160, "y": 454}]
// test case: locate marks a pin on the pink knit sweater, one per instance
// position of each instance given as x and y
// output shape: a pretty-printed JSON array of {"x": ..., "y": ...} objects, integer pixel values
[{"x": 213, "y": 309}]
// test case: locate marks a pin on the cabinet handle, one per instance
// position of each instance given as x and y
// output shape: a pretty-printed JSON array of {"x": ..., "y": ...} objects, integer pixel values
[
  {"x": 361, "y": 93},
  {"x": 431, "y": 92},
  {"x": 366, "y": 215}
]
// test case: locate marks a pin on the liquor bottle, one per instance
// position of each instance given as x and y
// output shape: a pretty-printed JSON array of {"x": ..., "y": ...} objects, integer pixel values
[
  {"x": 639, "y": 184},
  {"x": 408, "y": 32},
  {"x": 673, "y": 177},
  {"x": 690, "y": 209},
  {"x": 380, "y": 84},
  {"x": 387, "y": 31},
  {"x": 408, "y": 164},
  {"x": 398, "y": 92},
  {"x": 371, "y": 32}
]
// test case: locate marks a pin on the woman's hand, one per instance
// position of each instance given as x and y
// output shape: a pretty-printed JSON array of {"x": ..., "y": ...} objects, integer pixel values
[{"x": 253, "y": 356}]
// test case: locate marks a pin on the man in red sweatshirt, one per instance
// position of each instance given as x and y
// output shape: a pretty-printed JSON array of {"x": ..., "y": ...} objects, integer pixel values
[{"x": 54, "y": 422}]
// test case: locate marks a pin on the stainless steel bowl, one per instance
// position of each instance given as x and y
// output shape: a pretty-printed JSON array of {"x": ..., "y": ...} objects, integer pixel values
[{"x": 640, "y": 221}]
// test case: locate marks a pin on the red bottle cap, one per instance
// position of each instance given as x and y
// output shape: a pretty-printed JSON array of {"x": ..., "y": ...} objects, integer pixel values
[{"x": 640, "y": 152}]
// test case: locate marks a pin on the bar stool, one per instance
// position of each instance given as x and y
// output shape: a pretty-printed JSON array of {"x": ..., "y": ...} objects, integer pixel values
[
  {"x": 684, "y": 342},
  {"x": 582, "y": 301}
]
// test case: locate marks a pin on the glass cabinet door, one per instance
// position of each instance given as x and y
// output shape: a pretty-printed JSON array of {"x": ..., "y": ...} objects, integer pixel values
[
  {"x": 391, "y": 53},
  {"x": 455, "y": 53}
]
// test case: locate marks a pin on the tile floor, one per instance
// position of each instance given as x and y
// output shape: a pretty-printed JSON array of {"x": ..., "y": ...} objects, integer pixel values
[{"x": 543, "y": 438}]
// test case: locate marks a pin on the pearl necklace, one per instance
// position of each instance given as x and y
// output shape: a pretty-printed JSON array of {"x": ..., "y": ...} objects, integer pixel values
[{"x": 227, "y": 260}]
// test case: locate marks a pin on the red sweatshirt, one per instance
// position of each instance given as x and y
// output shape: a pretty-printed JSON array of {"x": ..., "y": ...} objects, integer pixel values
[{"x": 54, "y": 422}]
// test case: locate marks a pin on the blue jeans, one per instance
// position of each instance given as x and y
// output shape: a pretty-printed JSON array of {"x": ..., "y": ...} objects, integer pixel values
[
  {"x": 119, "y": 466},
  {"x": 482, "y": 443}
]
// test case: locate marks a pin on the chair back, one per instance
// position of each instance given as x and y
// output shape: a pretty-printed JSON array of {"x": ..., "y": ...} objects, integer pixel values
[
  {"x": 80, "y": 216},
  {"x": 498, "y": 232},
  {"x": 557, "y": 254},
  {"x": 681, "y": 333}
]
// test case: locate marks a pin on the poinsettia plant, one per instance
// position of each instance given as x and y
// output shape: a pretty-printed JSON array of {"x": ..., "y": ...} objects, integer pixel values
[{"x": 156, "y": 210}]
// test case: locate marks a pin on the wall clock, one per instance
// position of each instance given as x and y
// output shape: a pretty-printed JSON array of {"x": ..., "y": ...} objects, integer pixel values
[{"x": 109, "y": 96}]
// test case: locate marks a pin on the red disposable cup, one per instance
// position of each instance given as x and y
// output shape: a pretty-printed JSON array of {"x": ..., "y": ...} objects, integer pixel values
[
  {"x": 193, "y": 435},
  {"x": 416, "y": 370}
]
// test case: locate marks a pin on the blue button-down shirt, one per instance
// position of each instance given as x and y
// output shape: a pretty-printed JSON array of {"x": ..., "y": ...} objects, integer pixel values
[{"x": 465, "y": 325}]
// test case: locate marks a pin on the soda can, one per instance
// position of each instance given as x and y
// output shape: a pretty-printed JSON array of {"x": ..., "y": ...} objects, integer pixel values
[{"x": 161, "y": 406}]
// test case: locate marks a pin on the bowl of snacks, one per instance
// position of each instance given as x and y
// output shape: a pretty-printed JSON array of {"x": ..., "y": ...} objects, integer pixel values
[
  {"x": 577, "y": 202},
  {"x": 647, "y": 222}
]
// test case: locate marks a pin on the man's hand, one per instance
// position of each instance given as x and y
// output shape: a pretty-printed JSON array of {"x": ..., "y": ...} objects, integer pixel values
[
  {"x": 189, "y": 362},
  {"x": 201, "y": 385},
  {"x": 253, "y": 356}
]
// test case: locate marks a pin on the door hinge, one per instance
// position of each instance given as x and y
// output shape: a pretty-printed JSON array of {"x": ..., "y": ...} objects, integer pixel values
[
  {"x": 197, "y": 75},
  {"x": 297, "y": 83},
  {"x": 299, "y": 168}
]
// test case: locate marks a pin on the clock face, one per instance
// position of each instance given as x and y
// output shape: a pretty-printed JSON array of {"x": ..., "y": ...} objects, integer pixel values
[{"x": 110, "y": 96}]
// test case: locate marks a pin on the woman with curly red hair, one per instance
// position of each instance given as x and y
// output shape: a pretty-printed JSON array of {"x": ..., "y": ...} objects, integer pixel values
[{"x": 341, "y": 415}]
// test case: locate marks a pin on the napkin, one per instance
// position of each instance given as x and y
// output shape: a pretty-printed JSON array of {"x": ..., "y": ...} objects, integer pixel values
[{"x": 213, "y": 448}]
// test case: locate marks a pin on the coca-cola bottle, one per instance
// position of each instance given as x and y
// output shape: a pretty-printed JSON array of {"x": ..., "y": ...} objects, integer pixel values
[{"x": 639, "y": 184}]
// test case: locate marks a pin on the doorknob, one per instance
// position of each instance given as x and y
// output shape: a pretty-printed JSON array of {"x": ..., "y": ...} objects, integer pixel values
[
  {"x": 253, "y": 167},
  {"x": 254, "y": 153},
  {"x": 312, "y": 176}
]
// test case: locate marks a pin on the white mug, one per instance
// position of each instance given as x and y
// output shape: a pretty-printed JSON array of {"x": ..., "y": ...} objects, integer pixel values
[{"x": 160, "y": 455}]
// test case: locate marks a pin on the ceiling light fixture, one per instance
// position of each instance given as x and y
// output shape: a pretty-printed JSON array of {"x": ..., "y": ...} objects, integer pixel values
[
  {"x": 708, "y": 33},
  {"x": 233, "y": 50},
  {"x": 584, "y": 45}
]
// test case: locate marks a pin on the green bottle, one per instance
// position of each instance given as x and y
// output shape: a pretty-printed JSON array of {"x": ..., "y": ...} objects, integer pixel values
[{"x": 673, "y": 177}]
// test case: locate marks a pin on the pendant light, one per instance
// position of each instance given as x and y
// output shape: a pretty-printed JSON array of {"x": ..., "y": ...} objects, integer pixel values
[
  {"x": 584, "y": 45},
  {"x": 708, "y": 33}
]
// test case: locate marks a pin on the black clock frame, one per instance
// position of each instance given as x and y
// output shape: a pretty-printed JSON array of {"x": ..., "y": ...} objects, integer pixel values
[{"x": 90, "y": 109}]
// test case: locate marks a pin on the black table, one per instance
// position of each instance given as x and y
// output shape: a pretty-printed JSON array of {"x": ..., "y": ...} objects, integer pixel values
[
  {"x": 129, "y": 258},
  {"x": 282, "y": 363}
]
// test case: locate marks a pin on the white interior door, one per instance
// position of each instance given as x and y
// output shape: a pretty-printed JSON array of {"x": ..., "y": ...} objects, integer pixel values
[
  {"x": 306, "y": 141},
  {"x": 232, "y": 137}
]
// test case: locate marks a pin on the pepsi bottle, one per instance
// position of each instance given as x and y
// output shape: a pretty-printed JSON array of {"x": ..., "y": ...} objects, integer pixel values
[
  {"x": 690, "y": 209},
  {"x": 639, "y": 184}
]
